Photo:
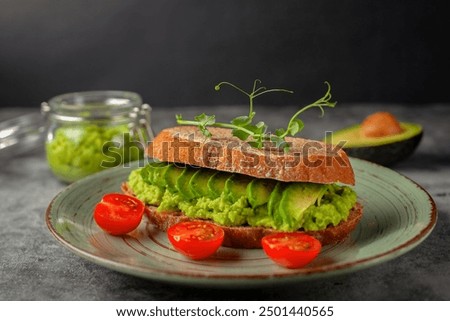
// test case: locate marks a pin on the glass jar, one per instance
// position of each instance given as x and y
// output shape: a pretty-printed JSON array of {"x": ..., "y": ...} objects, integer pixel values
[{"x": 93, "y": 130}]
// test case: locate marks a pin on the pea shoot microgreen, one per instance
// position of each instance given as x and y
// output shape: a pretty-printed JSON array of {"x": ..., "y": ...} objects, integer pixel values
[{"x": 257, "y": 134}]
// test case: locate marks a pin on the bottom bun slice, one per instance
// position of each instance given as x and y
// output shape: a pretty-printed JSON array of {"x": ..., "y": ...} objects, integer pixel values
[{"x": 249, "y": 237}]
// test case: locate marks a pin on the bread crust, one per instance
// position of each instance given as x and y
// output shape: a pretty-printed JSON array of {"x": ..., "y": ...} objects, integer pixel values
[
  {"x": 249, "y": 237},
  {"x": 306, "y": 161}
]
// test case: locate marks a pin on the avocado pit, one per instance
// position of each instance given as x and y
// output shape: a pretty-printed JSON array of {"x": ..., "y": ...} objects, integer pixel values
[
  {"x": 380, "y": 138},
  {"x": 380, "y": 124}
]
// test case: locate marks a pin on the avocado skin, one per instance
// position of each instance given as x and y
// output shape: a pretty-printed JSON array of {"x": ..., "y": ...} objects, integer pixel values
[
  {"x": 387, "y": 154},
  {"x": 384, "y": 150}
]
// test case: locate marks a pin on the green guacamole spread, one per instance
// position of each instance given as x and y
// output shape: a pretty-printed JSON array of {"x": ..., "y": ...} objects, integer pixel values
[
  {"x": 312, "y": 207},
  {"x": 77, "y": 151}
]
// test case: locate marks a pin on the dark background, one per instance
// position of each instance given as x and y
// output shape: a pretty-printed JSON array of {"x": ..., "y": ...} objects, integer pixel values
[{"x": 174, "y": 52}]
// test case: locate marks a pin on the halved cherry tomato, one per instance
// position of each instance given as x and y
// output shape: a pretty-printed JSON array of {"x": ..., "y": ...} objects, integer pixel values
[
  {"x": 118, "y": 214},
  {"x": 291, "y": 250},
  {"x": 196, "y": 239}
]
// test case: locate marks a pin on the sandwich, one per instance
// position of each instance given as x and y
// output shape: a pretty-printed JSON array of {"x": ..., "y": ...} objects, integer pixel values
[{"x": 250, "y": 192}]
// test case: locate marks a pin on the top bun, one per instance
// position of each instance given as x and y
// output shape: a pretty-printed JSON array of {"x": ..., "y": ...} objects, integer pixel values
[{"x": 306, "y": 161}]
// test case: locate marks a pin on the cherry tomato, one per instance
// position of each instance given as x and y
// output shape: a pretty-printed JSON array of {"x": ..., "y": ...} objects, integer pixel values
[
  {"x": 118, "y": 214},
  {"x": 196, "y": 239},
  {"x": 291, "y": 250}
]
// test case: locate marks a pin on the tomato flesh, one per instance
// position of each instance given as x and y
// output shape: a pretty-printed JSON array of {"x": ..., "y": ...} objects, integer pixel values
[
  {"x": 196, "y": 239},
  {"x": 118, "y": 214},
  {"x": 291, "y": 250}
]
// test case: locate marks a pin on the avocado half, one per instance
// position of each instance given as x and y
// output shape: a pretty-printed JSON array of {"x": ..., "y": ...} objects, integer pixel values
[{"x": 381, "y": 150}]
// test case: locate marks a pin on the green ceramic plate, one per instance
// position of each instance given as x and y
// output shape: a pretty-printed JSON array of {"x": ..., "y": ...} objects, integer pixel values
[{"x": 398, "y": 215}]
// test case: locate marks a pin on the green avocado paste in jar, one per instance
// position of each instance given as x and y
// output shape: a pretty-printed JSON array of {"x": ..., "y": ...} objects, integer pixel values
[{"x": 92, "y": 131}]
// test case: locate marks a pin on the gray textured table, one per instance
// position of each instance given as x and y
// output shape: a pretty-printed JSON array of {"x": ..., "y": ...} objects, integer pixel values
[{"x": 34, "y": 266}]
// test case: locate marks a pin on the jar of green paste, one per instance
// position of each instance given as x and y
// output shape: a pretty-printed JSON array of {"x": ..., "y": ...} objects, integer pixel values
[{"x": 94, "y": 130}]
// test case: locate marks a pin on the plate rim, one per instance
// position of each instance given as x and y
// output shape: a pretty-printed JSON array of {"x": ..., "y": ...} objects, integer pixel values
[{"x": 237, "y": 281}]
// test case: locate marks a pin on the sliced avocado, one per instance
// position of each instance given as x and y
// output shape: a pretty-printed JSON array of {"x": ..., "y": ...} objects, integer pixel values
[
  {"x": 274, "y": 199},
  {"x": 259, "y": 190},
  {"x": 171, "y": 176},
  {"x": 382, "y": 150},
  {"x": 296, "y": 198},
  {"x": 153, "y": 172},
  {"x": 199, "y": 182},
  {"x": 182, "y": 183},
  {"x": 216, "y": 184},
  {"x": 159, "y": 174},
  {"x": 236, "y": 187}
]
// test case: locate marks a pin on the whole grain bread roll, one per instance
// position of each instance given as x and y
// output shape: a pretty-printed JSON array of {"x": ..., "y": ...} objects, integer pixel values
[{"x": 306, "y": 161}]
